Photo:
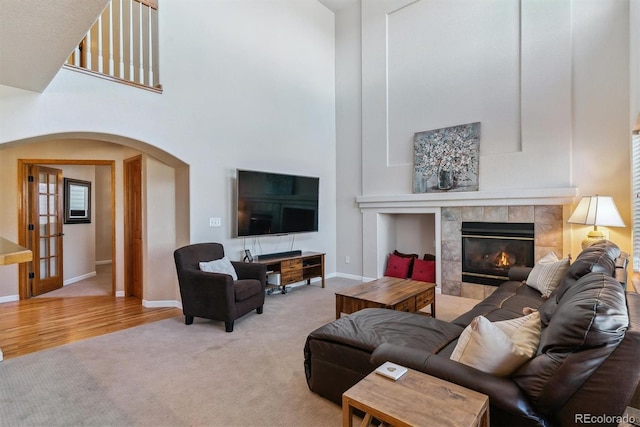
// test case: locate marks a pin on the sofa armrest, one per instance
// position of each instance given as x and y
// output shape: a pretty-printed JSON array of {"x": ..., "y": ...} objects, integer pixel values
[
  {"x": 620, "y": 272},
  {"x": 519, "y": 273},
  {"x": 405, "y": 356},
  {"x": 503, "y": 392}
]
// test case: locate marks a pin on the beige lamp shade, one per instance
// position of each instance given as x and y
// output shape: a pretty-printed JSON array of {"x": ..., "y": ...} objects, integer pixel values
[{"x": 596, "y": 210}]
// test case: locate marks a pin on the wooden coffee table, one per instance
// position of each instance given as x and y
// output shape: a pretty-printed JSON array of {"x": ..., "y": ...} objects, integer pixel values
[
  {"x": 387, "y": 292},
  {"x": 416, "y": 399}
]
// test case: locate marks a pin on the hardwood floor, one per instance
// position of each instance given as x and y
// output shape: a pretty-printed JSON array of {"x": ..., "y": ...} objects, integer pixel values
[{"x": 40, "y": 323}]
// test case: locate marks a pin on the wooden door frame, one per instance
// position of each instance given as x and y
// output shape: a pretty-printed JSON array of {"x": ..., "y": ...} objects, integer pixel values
[
  {"x": 130, "y": 259},
  {"x": 23, "y": 214}
]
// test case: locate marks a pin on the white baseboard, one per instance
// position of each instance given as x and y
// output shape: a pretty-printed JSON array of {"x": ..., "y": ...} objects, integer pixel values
[
  {"x": 119, "y": 293},
  {"x": 106, "y": 261},
  {"x": 319, "y": 279},
  {"x": 165, "y": 303},
  {"x": 78, "y": 278},
  {"x": 349, "y": 276},
  {"x": 9, "y": 298}
]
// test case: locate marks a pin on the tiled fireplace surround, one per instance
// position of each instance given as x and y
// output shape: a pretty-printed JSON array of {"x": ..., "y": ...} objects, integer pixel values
[
  {"x": 545, "y": 208},
  {"x": 548, "y": 226}
]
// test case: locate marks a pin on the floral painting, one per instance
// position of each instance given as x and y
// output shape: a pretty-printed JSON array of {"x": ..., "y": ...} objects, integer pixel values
[{"x": 446, "y": 159}]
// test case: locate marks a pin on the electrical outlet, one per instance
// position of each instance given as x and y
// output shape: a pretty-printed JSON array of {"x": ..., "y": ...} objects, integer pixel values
[
  {"x": 215, "y": 222},
  {"x": 347, "y": 259}
]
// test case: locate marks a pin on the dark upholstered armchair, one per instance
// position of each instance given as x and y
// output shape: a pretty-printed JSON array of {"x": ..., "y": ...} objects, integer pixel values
[{"x": 217, "y": 296}]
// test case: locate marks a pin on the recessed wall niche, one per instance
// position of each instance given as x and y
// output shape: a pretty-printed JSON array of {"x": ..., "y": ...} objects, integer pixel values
[{"x": 413, "y": 233}]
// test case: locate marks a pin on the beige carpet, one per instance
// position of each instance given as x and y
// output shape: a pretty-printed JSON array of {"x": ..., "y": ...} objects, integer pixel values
[{"x": 170, "y": 374}]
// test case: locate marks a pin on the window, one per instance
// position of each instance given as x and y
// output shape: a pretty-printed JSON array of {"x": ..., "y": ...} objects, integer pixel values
[{"x": 636, "y": 199}]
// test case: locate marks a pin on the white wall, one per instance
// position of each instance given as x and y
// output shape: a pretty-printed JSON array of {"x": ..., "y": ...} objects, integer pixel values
[
  {"x": 246, "y": 84},
  {"x": 103, "y": 212},
  {"x": 348, "y": 140},
  {"x": 79, "y": 240},
  {"x": 415, "y": 234},
  {"x": 601, "y": 134},
  {"x": 548, "y": 80},
  {"x": 257, "y": 78},
  {"x": 504, "y": 66}
]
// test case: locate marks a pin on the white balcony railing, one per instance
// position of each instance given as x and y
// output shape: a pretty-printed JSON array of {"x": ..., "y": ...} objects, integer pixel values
[{"x": 123, "y": 43}]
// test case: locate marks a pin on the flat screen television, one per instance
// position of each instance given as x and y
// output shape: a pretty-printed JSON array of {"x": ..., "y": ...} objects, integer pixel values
[{"x": 274, "y": 203}]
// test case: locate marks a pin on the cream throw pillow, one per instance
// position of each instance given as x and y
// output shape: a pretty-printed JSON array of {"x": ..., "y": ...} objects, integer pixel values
[
  {"x": 527, "y": 337},
  {"x": 510, "y": 326},
  {"x": 486, "y": 347},
  {"x": 222, "y": 265},
  {"x": 524, "y": 332},
  {"x": 547, "y": 274}
]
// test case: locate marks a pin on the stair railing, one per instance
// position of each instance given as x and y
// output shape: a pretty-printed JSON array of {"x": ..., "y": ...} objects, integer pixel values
[{"x": 122, "y": 44}]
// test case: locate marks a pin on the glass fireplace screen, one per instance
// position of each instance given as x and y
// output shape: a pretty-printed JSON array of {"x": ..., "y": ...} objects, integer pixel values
[{"x": 490, "y": 249}]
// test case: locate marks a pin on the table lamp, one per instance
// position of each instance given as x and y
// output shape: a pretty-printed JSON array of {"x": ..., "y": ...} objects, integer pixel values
[{"x": 596, "y": 210}]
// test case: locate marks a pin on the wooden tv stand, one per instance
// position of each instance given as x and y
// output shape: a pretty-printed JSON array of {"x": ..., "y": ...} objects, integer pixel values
[{"x": 296, "y": 268}]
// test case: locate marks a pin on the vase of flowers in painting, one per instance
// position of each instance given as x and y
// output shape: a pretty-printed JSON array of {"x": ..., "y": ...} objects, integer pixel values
[
  {"x": 448, "y": 158},
  {"x": 445, "y": 179}
]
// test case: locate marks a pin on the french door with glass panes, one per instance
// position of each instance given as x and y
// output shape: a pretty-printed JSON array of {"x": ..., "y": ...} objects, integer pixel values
[{"x": 45, "y": 228}]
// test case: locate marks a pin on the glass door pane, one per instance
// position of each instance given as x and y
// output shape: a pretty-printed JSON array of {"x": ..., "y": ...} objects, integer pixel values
[{"x": 47, "y": 231}]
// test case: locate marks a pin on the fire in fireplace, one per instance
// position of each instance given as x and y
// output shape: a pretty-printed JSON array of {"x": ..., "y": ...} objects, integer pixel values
[{"x": 490, "y": 249}]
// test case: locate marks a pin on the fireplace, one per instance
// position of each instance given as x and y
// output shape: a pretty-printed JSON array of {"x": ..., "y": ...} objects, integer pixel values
[{"x": 490, "y": 249}]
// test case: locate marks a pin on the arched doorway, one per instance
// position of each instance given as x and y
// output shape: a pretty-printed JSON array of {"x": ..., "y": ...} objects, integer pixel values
[{"x": 110, "y": 148}]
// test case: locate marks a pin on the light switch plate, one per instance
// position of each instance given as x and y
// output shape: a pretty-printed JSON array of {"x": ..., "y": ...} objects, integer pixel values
[{"x": 215, "y": 222}]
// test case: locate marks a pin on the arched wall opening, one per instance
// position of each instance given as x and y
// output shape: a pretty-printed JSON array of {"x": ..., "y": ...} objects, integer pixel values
[{"x": 165, "y": 204}]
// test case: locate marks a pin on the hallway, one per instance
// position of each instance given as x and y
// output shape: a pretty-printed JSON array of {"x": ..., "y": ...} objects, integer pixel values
[{"x": 98, "y": 285}]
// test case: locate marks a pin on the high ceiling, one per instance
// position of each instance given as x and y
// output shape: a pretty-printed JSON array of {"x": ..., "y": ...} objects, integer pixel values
[
  {"x": 336, "y": 5},
  {"x": 36, "y": 36}
]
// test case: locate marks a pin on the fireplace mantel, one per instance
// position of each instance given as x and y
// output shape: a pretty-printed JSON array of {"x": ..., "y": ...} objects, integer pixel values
[
  {"x": 542, "y": 196},
  {"x": 380, "y": 213}
]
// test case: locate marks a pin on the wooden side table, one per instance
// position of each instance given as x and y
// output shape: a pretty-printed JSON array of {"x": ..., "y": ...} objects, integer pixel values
[{"x": 416, "y": 399}]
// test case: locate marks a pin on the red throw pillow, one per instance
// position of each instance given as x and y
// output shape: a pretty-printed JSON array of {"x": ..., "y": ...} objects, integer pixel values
[
  {"x": 398, "y": 266},
  {"x": 424, "y": 271},
  {"x": 403, "y": 255}
]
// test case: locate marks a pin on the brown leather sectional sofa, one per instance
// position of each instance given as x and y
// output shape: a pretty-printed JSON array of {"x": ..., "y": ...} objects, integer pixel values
[{"x": 587, "y": 366}]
